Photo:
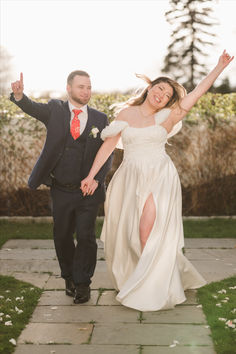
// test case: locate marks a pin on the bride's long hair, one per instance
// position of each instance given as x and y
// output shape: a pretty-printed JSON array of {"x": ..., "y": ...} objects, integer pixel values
[{"x": 178, "y": 93}]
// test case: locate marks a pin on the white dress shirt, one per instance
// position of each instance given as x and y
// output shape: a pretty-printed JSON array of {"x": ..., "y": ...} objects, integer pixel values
[{"x": 83, "y": 116}]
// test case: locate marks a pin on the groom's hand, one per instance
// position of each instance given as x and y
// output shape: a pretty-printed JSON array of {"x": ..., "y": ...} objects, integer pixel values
[{"x": 18, "y": 88}]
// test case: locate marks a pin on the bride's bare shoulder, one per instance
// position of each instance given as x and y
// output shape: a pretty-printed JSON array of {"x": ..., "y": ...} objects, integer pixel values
[{"x": 126, "y": 114}]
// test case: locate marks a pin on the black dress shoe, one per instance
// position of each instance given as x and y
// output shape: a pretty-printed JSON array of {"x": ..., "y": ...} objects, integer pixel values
[
  {"x": 70, "y": 287},
  {"x": 82, "y": 294}
]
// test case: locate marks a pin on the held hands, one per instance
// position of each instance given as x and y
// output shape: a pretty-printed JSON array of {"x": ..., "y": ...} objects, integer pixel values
[
  {"x": 18, "y": 88},
  {"x": 88, "y": 186},
  {"x": 224, "y": 59}
]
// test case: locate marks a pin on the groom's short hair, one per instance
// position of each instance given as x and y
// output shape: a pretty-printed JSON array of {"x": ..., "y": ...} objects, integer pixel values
[{"x": 74, "y": 73}]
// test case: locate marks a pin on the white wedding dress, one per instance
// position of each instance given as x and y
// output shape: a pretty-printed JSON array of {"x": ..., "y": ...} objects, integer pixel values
[{"x": 156, "y": 278}]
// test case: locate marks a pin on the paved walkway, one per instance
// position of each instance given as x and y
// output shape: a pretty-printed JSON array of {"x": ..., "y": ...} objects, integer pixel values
[{"x": 102, "y": 325}]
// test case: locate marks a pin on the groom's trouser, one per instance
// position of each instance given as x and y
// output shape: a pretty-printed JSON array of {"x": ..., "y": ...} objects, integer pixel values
[{"x": 73, "y": 213}]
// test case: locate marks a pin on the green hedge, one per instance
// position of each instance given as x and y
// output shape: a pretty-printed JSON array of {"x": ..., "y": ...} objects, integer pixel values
[
  {"x": 203, "y": 153},
  {"x": 211, "y": 108}
]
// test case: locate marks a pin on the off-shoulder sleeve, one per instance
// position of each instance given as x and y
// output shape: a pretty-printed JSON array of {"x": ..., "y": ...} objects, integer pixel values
[
  {"x": 176, "y": 128},
  {"x": 114, "y": 129},
  {"x": 162, "y": 115}
]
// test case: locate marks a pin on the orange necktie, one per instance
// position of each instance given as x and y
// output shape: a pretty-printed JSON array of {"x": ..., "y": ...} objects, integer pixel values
[{"x": 75, "y": 124}]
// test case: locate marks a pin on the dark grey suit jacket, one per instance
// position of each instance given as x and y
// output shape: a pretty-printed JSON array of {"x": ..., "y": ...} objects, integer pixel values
[{"x": 54, "y": 115}]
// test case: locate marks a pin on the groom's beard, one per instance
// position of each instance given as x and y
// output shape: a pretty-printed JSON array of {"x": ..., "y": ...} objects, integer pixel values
[{"x": 79, "y": 100}]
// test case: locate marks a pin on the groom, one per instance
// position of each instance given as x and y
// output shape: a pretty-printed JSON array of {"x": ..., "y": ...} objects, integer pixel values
[{"x": 73, "y": 139}]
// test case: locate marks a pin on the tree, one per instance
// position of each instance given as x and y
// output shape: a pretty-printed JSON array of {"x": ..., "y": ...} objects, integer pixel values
[
  {"x": 191, "y": 21},
  {"x": 5, "y": 71},
  {"x": 224, "y": 87}
]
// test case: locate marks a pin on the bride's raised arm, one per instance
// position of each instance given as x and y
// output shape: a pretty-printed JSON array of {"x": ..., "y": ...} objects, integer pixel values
[{"x": 190, "y": 99}]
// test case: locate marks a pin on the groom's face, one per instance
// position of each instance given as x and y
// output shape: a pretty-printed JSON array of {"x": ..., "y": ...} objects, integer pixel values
[{"x": 79, "y": 90}]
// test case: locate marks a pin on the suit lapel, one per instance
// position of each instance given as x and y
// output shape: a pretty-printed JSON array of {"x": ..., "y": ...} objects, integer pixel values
[
  {"x": 66, "y": 120},
  {"x": 88, "y": 128}
]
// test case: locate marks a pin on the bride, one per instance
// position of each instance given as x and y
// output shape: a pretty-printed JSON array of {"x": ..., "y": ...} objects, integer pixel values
[{"x": 142, "y": 230}]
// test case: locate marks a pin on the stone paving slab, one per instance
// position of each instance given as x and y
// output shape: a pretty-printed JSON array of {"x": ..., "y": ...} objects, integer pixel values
[
  {"x": 178, "y": 350},
  {"x": 101, "y": 266},
  {"x": 99, "y": 280},
  {"x": 77, "y": 313},
  {"x": 228, "y": 255},
  {"x": 15, "y": 243},
  {"x": 27, "y": 254},
  {"x": 210, "y": 243},
  {"x": 148, "y": 334},
  {"x": 30, "y": 266},
  {"x": 59, "y": 298},
  {"x": 100, "y": 244},
  {"x": 108, "y": 298},
  {"x": 36, "y": 279},
  {"x": 199, "y": 254},
  {"x": 47, "y": 333},
  {"x": 77, "y": 349},
  {"x": 100, "y": 254},
  {"x": 180, "y": 314},
  {"x": 55, "y": 283},
  {"x": 214, "y": 270}
]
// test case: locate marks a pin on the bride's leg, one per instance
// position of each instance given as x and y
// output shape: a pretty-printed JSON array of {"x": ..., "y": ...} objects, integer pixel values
[{"x": 147, "y": 220}]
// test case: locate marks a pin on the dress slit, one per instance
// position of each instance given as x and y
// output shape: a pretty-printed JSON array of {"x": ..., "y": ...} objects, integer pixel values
[{"x": 152, "y": 200}]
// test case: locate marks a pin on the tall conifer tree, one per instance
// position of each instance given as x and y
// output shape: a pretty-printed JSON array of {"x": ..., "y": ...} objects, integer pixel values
[{"x": 192, "y": 32}]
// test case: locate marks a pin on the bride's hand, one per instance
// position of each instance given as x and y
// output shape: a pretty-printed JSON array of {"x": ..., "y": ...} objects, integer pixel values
[
  {"x": 85, "y": 184},
  {"x": 225, "y": 59},
  {"x": 88, "y": 186}
]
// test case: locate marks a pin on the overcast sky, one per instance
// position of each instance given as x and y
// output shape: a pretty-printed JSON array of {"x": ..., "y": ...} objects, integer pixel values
[{"x": 109, "y": 39}]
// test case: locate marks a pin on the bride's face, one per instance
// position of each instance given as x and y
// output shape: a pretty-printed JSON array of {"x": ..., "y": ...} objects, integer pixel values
[{"x": 159, "y": 95}]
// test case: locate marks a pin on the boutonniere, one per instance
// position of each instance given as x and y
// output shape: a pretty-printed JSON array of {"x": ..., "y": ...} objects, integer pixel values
[{"x": 94, "y": 131}]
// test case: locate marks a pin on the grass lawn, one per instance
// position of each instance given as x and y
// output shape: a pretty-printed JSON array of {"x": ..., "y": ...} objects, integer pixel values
[
  {"x": 17, "y": 302},
  {"x": 216, "y": 228},
  {"x": 218, "y": 301},
  {"x": 211, "y": 228}
]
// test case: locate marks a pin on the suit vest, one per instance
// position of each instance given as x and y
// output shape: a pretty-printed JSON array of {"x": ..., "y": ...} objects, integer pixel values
[{"x": 69, "y": 167}]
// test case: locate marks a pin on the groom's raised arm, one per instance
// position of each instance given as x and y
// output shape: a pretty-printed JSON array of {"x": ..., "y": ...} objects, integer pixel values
[{"x": 40, "y": 111}]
